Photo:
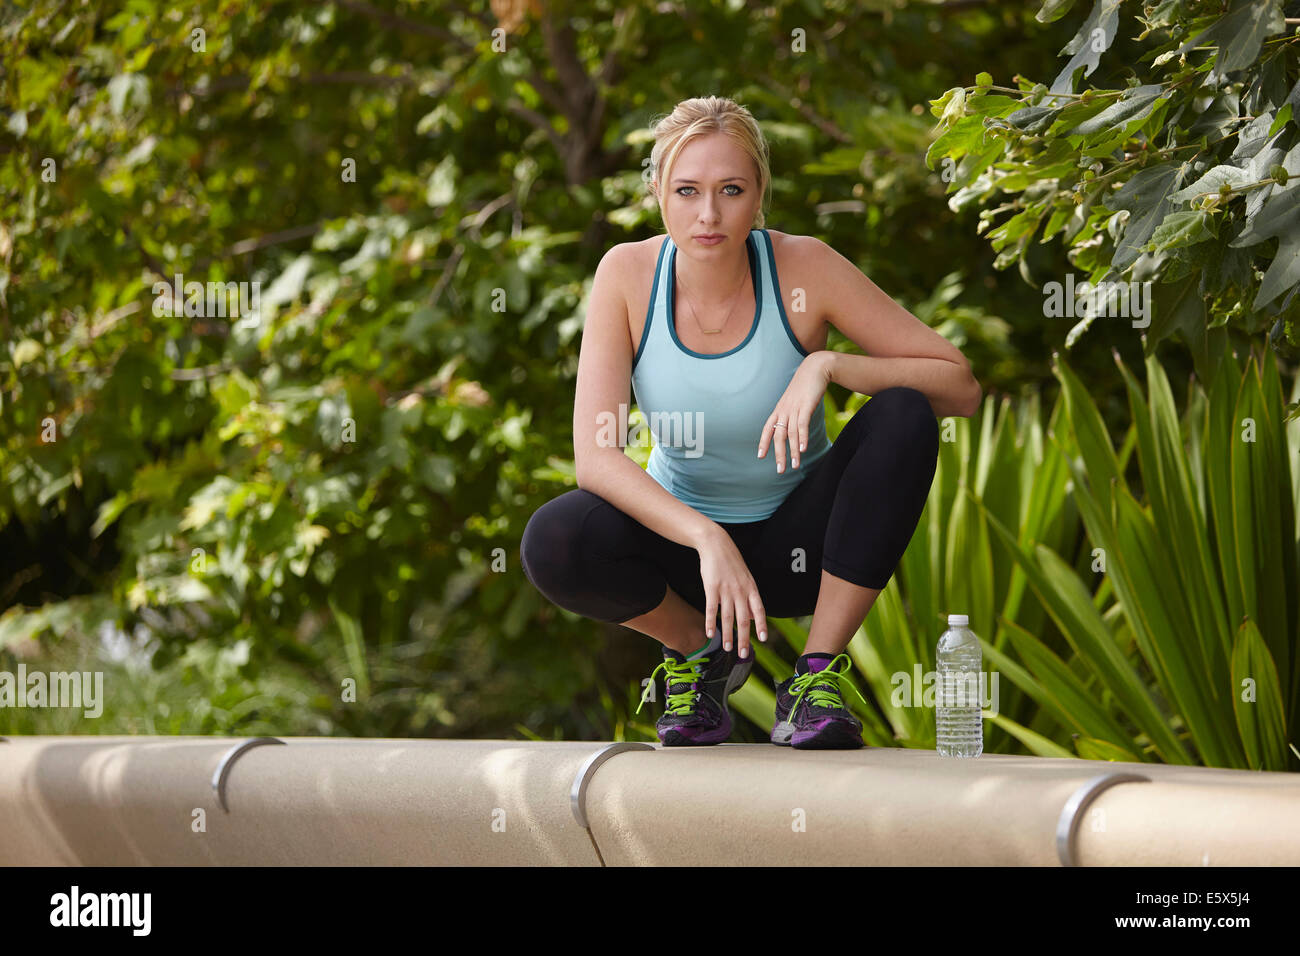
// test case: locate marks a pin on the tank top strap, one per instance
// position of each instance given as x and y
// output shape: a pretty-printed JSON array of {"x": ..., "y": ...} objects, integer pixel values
[
  {"x": 655, "y": 323},
  {"x": 777, "y": 331}
]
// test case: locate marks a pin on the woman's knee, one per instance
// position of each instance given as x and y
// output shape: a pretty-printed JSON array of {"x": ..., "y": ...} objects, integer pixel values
[
  {"x": 550, "y": 549},
  {"x": 563, "y": 551},
  {"x": 910, "y": 416}
]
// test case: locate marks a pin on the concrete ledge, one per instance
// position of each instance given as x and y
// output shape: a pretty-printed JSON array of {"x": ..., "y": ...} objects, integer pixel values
[
  {"x": 742, "y": 805},
  {"x": 114, "y": 801},
  {"x": 336, "y": 801}
]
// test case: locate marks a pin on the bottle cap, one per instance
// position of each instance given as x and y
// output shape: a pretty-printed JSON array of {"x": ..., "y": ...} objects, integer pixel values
[{"x": 958, "y": 620}]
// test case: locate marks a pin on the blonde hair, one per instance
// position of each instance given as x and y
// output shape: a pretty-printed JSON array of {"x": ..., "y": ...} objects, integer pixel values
[{"x": 698, "y": 117}]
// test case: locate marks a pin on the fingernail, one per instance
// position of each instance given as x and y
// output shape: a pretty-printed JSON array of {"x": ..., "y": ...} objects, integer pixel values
[
  {"x": 762, "y": 635},
  {"x": 744, "y": 652},
  {"x": 726, "y": 645},
  {"x": 796, "y": 462},
  {"x": 780, "y": 468},
  {"x": 802, "y": 446}
]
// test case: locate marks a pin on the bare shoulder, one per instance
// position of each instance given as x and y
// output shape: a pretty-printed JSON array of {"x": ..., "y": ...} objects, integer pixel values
[
  {"x": 801, "y": 261},
  {"x": 799, "y": 251},
  {"x": 627, "y": 259},
  {"x": 636, "y": 267},
  {"x": 637, "y": 251}
]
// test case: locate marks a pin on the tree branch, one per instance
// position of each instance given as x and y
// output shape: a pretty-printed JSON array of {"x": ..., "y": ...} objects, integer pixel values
[
  {"x": 808, "y": 113},
  {"x": 561, "y": 44},
  {"x": 402, "y": 24},
  {"x": 261, "y": 242},
  {"x": 349, "y": 77},
  {"x": 539, "y": 121}
]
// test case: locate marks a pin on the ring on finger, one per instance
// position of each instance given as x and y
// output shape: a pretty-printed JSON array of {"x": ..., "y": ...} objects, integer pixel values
[
  {"x": 795, "y": 459},
  {"x": 780, "y": 425}
]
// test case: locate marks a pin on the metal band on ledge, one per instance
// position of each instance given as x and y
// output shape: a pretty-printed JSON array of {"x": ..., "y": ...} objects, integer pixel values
[
  {"x": 578, "y": 794},
  {"x": 228, "y": 760},
  {"x": 1068, "y": 823}
]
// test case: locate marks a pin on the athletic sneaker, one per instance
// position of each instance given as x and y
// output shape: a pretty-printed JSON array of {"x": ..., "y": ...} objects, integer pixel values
[
  {"x": 696, "y": 689},
  {"x": 810, "y": 713}
]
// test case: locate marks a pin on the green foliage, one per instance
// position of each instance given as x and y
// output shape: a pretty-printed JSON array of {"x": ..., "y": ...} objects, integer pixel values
[
  {"x": 1185, "y": 175},
  {"x": 1167, "y": 632},
  {"x": 312, "y": 497}
]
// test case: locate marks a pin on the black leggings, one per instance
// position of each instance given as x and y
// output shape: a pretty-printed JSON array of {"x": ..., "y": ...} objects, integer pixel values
[{"x": 852, "y": 515}]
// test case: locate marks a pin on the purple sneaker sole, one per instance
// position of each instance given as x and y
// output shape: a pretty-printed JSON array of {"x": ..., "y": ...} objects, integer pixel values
[
  {"x": 828, "y": 734},
  {"x": 697, "y": 736}
]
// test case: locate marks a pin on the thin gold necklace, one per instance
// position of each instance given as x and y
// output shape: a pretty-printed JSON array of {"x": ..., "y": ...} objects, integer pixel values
[{"x": 729, "y": 311}]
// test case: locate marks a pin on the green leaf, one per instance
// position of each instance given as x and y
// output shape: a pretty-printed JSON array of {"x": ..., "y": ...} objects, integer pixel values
[
  {"x": 1211, "y": 182},
  {"x": 955, "y": 107},
  {"x": 1175, "y": 306},
  {"x": 1136, "y": 104},
  {"x": 1280, "y": 217},
  {"x": 964, "y": 136},
  {"x": 1283, "y": 117},
  {"x": 1146, "y": 197},
  {"x": 1261, "y": 721},
  {"x": 1179, "y": 538},
  {"x": 207, "y": 502},
  {"x": 442, "y": 183},
  {"x": 1155, "y": 603},
  {"x": 1221, "y": 433},
  {"x": 1037, "y": 744},
  {"x": 1098, "y": 30},
  {"x": 941, "y": 106},
  {"x": 1035, "y": 119},
  {"x": 1262, "y": 517},
  {"x": 53, "y": 489},
  {"x": 1068, "y": 602},
  {"x": 1066, "y": 696},
  {"x": 110, "y": 511},
  {"x": 288, "y": 284},
  {"x": 1053, "y": 10},
  {"x": 1182, "y": 229},
  {"x": 967, "y": 564},
  {"x": 755, "y": 701},
  {"x": 28, "y": 350},
  {"x": 881, "y": 648},
  {"x": 1090, "y": 432},
  {"x": 125, "y": 88},
  {"x": 354, "y": 648},
  {"x": 1090, "y": 748},
  {"x": 1239, "y": 33}
]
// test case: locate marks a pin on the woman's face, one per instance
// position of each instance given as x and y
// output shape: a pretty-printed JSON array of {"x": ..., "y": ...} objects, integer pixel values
[{"x": 713, "y": 189}]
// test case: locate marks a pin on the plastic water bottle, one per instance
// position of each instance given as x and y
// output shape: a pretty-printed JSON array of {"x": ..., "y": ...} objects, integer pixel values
[{"x": 959, "y": 729}]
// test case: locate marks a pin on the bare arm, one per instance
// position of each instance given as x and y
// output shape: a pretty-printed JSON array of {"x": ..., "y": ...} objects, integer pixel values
[{"x": 604, "y": 381}]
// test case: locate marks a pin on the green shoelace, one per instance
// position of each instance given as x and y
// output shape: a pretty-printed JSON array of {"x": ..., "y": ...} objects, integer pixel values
[
  {"x": 682, "y": 703},
  {"x": 823, "y": 687}
]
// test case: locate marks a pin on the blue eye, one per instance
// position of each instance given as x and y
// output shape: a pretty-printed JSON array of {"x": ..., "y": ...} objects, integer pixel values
[{"x": 738, "y": 189}]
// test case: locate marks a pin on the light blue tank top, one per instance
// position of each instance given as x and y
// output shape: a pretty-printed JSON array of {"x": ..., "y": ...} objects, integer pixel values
[{"x": 707, "y": 412}]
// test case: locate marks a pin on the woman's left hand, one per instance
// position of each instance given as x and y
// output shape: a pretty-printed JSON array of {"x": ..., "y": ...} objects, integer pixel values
[{"x": 795, "y": 408}]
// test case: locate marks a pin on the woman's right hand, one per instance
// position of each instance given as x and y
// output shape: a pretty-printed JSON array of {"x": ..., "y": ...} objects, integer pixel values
[{"x": 729, "y": 587}]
